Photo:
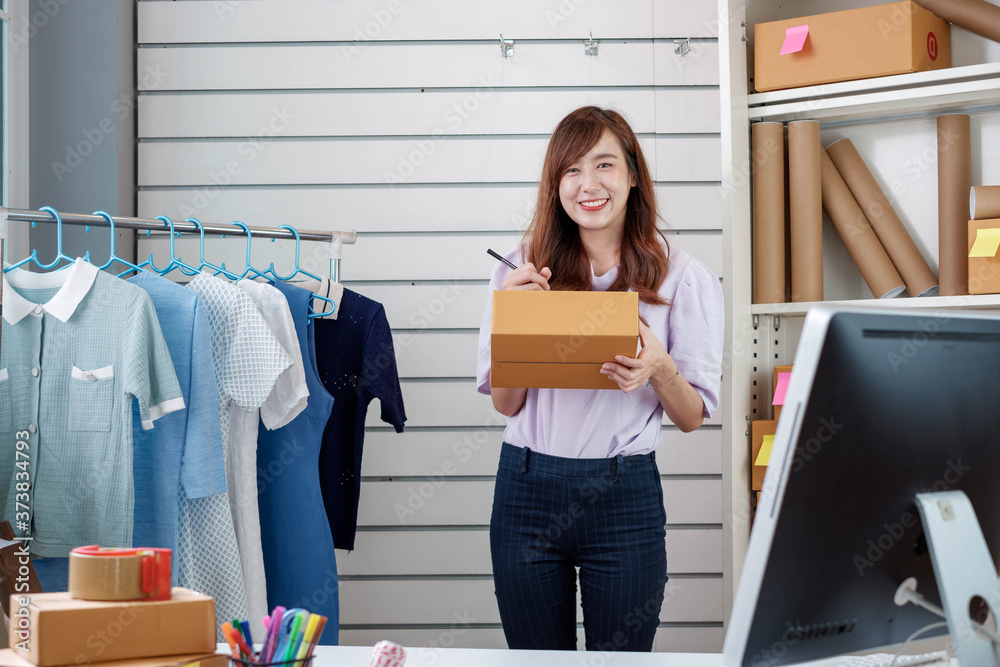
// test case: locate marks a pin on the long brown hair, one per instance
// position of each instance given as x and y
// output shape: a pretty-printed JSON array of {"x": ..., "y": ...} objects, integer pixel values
[{"x": 553, "y": 239}]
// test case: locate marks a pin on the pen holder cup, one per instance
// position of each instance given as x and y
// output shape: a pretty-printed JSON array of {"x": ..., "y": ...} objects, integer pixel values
[{"x": 301, "y": 662}]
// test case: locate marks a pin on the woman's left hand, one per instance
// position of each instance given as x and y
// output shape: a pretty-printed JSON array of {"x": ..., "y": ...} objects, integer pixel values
[{"x": 653, "y": 362}]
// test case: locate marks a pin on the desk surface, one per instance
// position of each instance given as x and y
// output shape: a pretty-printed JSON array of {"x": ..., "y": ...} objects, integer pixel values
[{"x": 358, "y": 656}]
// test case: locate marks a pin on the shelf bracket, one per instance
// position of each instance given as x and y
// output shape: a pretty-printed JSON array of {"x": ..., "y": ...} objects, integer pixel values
[
  {"x": 682, "y": 47},
  {"x": 756, "y": 321},
  {"x": 777, "y": 322}
]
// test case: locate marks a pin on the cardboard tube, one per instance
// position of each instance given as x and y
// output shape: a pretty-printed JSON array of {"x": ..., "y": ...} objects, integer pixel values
[
  {"x": 977, "y": 16},
  {"x": 919, "y": 279},
  {"x": 866, "y": 251},
  {"x": 954, "y": 152},
  {"x": 984, "y": 202},
  {"x": 805, "y": 209},
  {"x": 768, "y": 212}
]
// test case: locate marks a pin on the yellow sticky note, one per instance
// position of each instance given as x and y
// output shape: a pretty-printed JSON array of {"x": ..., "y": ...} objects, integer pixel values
[
  {"x": 764, "y": 455},
  {"x": 987, "y": 243}
]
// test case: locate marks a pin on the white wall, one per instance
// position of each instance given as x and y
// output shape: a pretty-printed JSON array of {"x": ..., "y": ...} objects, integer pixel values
[{"x": 401, "y": 120}]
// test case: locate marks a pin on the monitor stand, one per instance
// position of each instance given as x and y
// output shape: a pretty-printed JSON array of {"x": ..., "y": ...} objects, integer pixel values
[{"x": 964, "y": 570}]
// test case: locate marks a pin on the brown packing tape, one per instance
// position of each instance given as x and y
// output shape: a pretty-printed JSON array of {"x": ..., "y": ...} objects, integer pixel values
[
  {"x": 905, "y": 256},
  {"x": 977, "y": 16},
  {"x": 805, "y": 210},
  {"x": 954, "y": 152},
  {"x": 106, "y": 577},
  {"x": 768, "y": 212},
  {"x": 866, "y": 251},
  {"x": 984, "y": 202}
]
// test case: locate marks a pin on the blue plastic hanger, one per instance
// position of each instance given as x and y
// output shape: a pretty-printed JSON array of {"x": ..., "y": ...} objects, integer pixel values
[
  {"x": 204, "y": 264},
  {"x": 112, "y": 258},
  {"x": 174, "y": 263},
  {"x": 313, "y": 313},
  {"x": 249, "y": 268},
  {"x": 33, "y": 257}
]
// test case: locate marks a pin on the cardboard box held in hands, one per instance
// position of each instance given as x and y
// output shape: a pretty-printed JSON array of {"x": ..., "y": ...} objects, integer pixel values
[{"x": 561, "y": 339}]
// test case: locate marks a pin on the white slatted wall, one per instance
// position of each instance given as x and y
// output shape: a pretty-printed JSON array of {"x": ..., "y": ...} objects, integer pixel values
[{"x": 401, "y": 120}]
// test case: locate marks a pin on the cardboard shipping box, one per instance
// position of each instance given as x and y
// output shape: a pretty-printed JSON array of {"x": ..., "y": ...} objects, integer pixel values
[
  {"x": 50, "y": 629},
  {"x": 984, "y": 272},
  {"x": 895, "y": 38},
  {"x": 560, "y": 339},
  {"x": 10, "y": 659}
]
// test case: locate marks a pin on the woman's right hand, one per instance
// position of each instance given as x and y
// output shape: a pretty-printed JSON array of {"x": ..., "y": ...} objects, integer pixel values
[{"x": 526, "y": 277}]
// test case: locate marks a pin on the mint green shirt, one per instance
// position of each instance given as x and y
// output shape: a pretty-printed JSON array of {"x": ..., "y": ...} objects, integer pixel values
[{"x": 78, "y": 346}]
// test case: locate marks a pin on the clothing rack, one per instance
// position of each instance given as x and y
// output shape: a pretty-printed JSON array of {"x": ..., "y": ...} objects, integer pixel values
[{"x": 336, "y": 239}]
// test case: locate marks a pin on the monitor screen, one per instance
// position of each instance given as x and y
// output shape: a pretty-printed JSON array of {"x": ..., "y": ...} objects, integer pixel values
[{"x": 880, "y": 406}]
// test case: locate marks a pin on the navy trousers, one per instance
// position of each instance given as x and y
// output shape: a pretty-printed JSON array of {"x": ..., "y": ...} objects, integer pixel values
[{"x": 552, "y": 515}]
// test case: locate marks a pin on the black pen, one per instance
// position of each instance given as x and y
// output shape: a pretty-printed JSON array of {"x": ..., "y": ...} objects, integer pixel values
[{"x": 501, "y": 258}]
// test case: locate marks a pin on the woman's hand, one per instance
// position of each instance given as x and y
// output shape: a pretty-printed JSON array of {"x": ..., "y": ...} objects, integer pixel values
[
  {"x": 653, "y": 364},
  {"x": 526, "y": 277},
  {"x": 682, "y": 402},
  {"x": 508, "y": 400}
]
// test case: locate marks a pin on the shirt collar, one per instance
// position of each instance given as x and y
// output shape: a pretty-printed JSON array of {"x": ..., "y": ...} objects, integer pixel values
[{"x": 74, "y": 283}]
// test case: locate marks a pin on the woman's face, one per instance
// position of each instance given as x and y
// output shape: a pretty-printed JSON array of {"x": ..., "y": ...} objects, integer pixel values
[{"x": 594, "y": 189}]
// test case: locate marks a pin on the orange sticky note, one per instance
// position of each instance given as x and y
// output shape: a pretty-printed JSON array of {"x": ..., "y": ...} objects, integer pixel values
[
  {"x": 795, "y": 39},
  {"x": 781, "y": 389}
]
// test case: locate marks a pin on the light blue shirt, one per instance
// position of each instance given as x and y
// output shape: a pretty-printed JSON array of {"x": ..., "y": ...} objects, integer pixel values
[
  {"x": 185, "y": 449},
  {"x": 78, "y": 346}
]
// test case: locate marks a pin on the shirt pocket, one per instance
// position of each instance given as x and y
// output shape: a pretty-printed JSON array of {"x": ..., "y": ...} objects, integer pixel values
[
  {"x": 6, "y": 402},
  {"x": 91, "y": 399}
]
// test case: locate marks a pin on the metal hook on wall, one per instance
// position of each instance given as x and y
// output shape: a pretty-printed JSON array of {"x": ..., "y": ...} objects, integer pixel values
[
  {"x": 590, "y": 45},
  {"x": 506, "y": 47}
]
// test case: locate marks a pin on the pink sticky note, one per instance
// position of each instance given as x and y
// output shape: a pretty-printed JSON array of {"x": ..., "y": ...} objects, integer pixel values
[
  {"x": 795, "y": 39},
  {"x": 781, "y": 389}
]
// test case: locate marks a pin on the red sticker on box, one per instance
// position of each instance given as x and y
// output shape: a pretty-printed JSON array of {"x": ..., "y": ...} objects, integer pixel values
[{"x": 932, "y": 45}]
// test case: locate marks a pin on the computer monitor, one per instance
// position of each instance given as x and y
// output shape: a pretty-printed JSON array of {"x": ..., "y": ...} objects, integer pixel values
[{"x": 880, "y": 406}]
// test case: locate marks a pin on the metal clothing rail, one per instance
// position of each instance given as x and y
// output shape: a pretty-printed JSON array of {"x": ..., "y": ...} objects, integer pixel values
[{"x": 336, "y": 239}]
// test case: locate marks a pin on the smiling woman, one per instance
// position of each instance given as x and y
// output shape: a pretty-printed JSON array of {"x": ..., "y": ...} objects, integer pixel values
[{"x": 578, "y": 485}]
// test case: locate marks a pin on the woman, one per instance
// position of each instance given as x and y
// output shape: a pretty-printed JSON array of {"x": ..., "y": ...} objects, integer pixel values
[{"x": 577, "y": 485}]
